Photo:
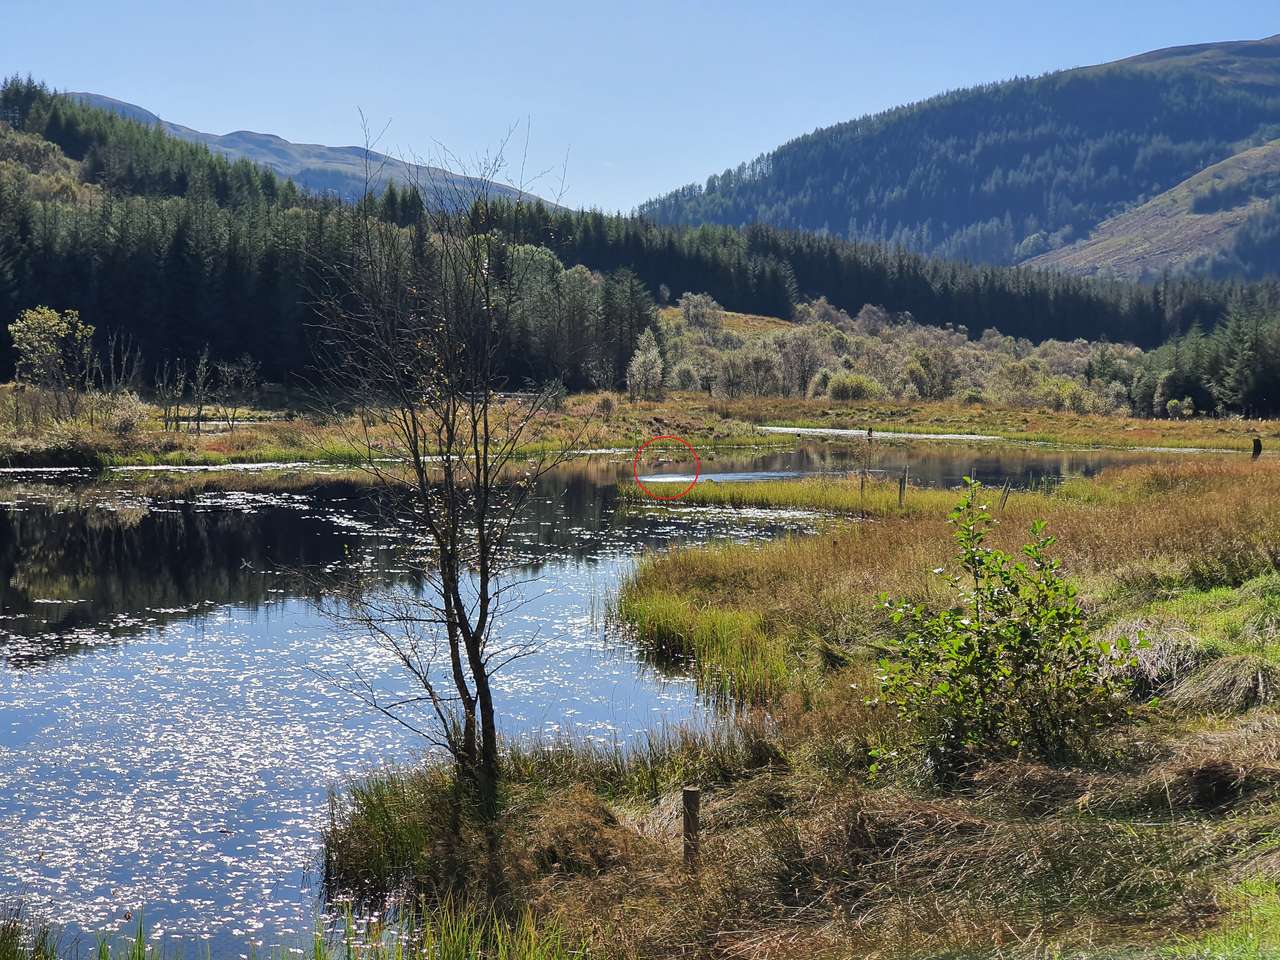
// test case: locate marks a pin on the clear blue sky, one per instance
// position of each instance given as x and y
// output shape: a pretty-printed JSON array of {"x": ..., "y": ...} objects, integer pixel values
[{"x": 643, "y": 96}]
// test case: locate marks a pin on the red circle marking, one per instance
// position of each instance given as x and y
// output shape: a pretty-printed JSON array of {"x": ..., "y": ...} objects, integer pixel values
[{"x": 697, "y": 468}]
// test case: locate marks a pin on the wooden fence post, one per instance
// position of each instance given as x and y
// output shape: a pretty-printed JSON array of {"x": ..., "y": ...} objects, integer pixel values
[
  {"x": 692, "y": 801},
  {"x": 1257, "y": 447},
  {"x": 902, "y": 487}
]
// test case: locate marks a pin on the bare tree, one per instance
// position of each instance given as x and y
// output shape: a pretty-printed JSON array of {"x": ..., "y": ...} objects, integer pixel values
[
  {"x": 201, "y": 386},
  {"x": 236, "y": 386},
  {"x": 170, "y": 385},
  {"x": 124, "y": 363},
  {"x": 413, "y": 334}
]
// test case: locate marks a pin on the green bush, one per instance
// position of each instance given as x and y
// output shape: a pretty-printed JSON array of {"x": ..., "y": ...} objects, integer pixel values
[
  {"x": 1010, "y": 668},
  {"x": 853, "y": 386}
]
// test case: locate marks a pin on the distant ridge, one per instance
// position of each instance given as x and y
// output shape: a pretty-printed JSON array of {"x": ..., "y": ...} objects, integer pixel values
[{"x": 338, "y": 171}]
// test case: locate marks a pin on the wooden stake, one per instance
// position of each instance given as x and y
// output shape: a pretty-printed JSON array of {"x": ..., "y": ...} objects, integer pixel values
[{"x": 692, "y": 801}]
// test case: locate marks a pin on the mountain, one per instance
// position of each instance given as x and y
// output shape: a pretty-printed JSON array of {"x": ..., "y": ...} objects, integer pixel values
[
  {"x": 338, "y": 171},
  {"x": 1006, "y": 172},
  {"x": 1196, "y": 223}
]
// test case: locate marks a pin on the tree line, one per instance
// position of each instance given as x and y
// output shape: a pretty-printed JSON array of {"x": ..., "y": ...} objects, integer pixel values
[{"x": 160, "y": 240}]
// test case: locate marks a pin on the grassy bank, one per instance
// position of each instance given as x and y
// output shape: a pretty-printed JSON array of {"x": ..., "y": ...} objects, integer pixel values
[
  {"x": 825, "y": 836},
  {"x": 609, "y": 421},
  {"x": 288, "y": 436}
]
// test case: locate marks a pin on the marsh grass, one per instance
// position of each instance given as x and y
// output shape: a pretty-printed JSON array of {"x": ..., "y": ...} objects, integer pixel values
[
  {"x": 876, "y": 497},
  {"x": 614, "y": 422},
  {"x": 25, "y": 938},
  {"x": 728, "y": 650}
]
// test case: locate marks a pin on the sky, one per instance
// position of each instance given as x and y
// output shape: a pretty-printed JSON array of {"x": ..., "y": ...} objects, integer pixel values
[{"x": 617, "y": 102}]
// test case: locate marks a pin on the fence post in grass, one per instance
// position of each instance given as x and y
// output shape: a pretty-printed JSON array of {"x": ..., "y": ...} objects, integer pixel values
[
  {"x": 1004, "y": 497},
  {"x": 902, "y": 488},
  {"x": 1257, "y": 447},
  {"x": 692, "y": 801}
]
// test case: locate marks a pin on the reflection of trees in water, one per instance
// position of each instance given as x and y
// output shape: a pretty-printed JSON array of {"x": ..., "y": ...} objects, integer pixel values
[{"x": 101, "y": 565}]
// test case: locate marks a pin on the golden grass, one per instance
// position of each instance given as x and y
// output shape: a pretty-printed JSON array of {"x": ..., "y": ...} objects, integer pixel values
[
  {"x": 1011, "y": 423},
  {"x": 749, "y": 326},
  {"x": 611, "y": 420},
  {"x": 1137, "y": 536},
  {"x": 873, "y": 498}
]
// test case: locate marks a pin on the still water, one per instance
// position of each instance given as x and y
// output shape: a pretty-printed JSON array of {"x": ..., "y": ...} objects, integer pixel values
[{"x": 169, "y": 725}]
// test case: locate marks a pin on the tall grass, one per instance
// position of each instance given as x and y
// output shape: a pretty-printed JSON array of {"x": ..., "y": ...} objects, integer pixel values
[
  {"x": 874, "y": 497},
  {"x": 1135, "y": 535},
  {"x": 729, "y": 650}
]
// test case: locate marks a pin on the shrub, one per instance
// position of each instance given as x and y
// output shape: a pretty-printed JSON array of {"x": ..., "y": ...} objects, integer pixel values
[
  {"x": 699, "y": 310},
  {"x": 123, "y": 413},
  {"x": 686, "y": 377},
  {"x": 820, "y": 383},
  {"x": 853, "y": 386},
  {"x": 1010, "y": 668}
]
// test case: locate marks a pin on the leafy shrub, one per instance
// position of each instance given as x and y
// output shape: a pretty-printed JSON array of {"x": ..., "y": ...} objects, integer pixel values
[
  {"x": 1010, "y": 668},
  {"x": 853, "y": 386}
]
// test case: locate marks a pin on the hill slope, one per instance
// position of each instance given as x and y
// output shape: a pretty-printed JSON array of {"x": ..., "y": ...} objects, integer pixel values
[
  {"x": 1200, "y": 218},
  {"x": 328, "y": 170},
  {"x": 1005, "y": 172}
]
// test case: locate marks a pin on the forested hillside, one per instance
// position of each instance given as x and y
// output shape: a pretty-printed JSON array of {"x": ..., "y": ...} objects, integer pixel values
[
  {"x": 179, "y": 248},
  {"x": 1215, "y": 222},
  {"x": 1004, "y": 172}
]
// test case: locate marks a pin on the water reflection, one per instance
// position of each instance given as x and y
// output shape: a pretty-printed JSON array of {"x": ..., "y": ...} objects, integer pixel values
[
  {"x": 929, "y": 464},
  {"x": 77, "y": 569}
]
